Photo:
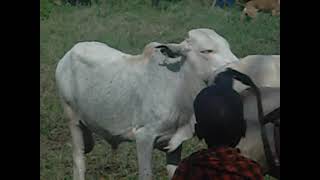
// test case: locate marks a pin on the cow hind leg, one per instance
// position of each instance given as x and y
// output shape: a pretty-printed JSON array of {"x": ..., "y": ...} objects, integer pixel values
[
  {"x": 77, "y": 144},
  {"x": 173, "y": 159},
  {"x": 87, "y": 137}
]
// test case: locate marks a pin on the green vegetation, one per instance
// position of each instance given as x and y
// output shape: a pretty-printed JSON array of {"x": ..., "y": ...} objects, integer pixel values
[{"x": 128, "y": 26}]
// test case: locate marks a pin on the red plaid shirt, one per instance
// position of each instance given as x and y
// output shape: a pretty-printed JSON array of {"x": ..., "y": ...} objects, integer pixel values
[{"x": 218, "y": 164}]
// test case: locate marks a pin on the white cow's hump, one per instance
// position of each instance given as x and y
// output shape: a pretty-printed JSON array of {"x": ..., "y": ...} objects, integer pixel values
[{"x": 95, "y": 53}]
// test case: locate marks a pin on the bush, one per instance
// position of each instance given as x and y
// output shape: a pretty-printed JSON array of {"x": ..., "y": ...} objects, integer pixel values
[{"x": 45, "y": 8}]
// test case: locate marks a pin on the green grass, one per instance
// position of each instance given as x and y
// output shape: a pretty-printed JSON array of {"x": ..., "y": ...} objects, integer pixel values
[{"x": 128, "y": 26}]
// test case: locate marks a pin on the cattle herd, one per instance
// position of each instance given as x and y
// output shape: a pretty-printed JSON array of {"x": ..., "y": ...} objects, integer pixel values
[
  {"x": 251, "y": 7},
  {"x": 147, "y": 98}
]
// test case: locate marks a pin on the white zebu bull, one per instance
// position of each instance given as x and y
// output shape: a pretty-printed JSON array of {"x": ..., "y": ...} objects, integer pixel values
[
  {"x": 252, "y": 146},
  {"x": 147, "y": 98},
  {"x": 264, "y": 70},
  {"x": 124, "y": 97}
]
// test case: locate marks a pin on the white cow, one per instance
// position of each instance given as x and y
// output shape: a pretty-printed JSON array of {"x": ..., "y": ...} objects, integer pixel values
[
  {"x": 124, "y": 97},
  {"x": 252, "y": 146},
  {"x": 147, "y": 97},
  {"x": 265, "y": 72},
  {"x": 263, "y": 69}
]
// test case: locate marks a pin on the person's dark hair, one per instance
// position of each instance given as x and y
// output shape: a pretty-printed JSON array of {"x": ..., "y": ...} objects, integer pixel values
[{"x": 219, "y": 113}]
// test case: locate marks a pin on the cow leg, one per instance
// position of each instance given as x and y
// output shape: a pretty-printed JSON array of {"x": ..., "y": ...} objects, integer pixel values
[
  {"x": 144, "y": 141},
  {"x": 87, "y": 137},
  {"x": 173, "y": 159},
  {"x": 77, "y": 144}
]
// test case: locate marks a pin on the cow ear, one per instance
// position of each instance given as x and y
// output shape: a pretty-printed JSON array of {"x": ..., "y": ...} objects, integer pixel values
[
  {"x": 174, "y": 50},
  {"x": 165, "y": 50}
]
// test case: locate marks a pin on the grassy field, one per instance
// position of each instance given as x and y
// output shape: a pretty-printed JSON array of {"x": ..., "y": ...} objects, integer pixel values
[{"x": 128, "y": 26}]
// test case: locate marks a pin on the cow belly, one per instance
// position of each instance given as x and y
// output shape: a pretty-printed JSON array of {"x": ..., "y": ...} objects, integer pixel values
[{"x": 108, "y": 119}]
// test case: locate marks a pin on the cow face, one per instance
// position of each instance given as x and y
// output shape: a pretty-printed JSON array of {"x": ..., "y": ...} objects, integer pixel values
[
  {"x": 204, "y": 50},
  {"x": 207, "y": 46}
]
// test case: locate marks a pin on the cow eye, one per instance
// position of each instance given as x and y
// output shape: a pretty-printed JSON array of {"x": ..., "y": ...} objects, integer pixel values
[{"x": 207, "y": 51}]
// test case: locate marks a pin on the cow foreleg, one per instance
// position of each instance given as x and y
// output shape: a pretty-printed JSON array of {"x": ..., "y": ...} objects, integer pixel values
[
  {"x": 144, "y": 141},
  {"x": 77, "y": 145},
  {"x": 183, "y": 133},
  {"x": 173, "y": 159}
]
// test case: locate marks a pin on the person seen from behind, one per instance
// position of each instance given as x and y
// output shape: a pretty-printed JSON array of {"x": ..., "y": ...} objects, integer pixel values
[{"x": 220, "y": 122}]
